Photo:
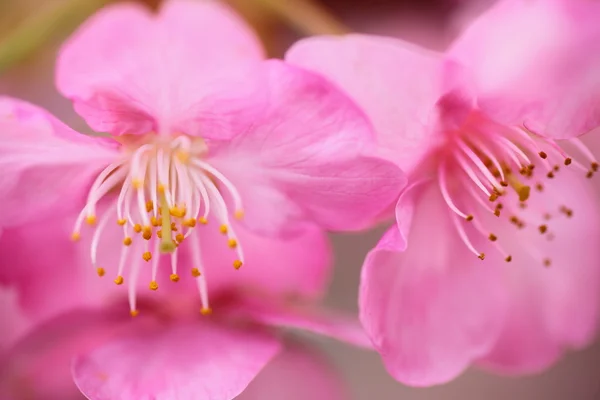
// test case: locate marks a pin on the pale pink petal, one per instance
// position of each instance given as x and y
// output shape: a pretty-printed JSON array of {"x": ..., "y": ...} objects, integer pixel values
[
  {"x": 14, "y": 321},
  {"x": 396, "y": 83},
  {"x": 39, "y": 365},
  {"x": 537, "y": 62},
  {"x": 336, "y": 325},
  {"x": 553, "y": 308},
  {"x": 432, "y": 309},
  {"x": 297, "y": 373},
  {"x": 298, "y": 266},
  {"x": 186, "y": 360},
  {"x": 309, "y": 158},
  {"x": 46, "y": 166},
  {"x": 187, "y": 69}
]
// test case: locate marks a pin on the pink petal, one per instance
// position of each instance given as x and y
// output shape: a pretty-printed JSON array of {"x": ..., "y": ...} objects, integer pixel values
[
  {"x": 305, "y": 317},
  {"x": 45, "y": 165},
  {"x": 188, "y": 69},
  {"x": 282, "y": 267},
  {"x": 298, "y": 373},
  {"x": 14, "y": 322},
  {"x": 396, "y": 83},
  {"x": 309, "y": 158},
  {"x": 186, "y": 360},
  {"x": 536, "y": 62},
  {"x": 433, "y": 308},
  {"x": 557, "y": 307}
]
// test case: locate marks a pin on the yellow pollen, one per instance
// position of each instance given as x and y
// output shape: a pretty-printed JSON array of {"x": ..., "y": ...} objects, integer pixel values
[
  {"x": 91, "y": 219},
  {"x": 147, "y": 256},
  {"x": 127, "y": 241},
  {"x": 75, "y": 236},
  {"x": 522, "y": 190},
  {"x": 223, "y": 229},
  {"x": 159, "y": 234},
  {"x": 190, "y": 223},
  {"x": 206, "y": 311},
  {"x": 177, "y": 212},
  {"x": 493, "y": 197},
  {"x": 147, "y": 233},
  {"x": 149, "y": 205},
  {"x": 195, "y": 272},
  {"x": 153, "y": 285},
  {"x": 237, "y": 264},
  {"x": 137, "y": 183},
  {"x": 493, "y": 237},
  {"x": 173, "y": 226},
  {"x": 119, "y": 280},
  {"x": 232, "y": 243},
  {"x": 155, "y": 221},
  {"x": 179, "y": 237},
  {"x": 183, "y": 156},
  {"x": 239, "y": 214},
  {"x": 508, "y": 259},
  {"x": 137, "y": 228},
  {"x": 100, "y": 271},
  {"x": 469, "y": 217},
  {"x": 203, "y": 220},
  {"x": 134, "y": 313},
  {"x": 481, "y": 256},
  {"x": 174, "y": 277},
  {"x": 121, "y": 221},
  {"x": 160, "y": 188},
  {"x": 167, "y": 245}
]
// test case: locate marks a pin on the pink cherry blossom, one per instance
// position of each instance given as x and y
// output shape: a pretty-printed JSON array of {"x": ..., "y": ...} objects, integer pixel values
[
  {"x": 201, "y": 132},
  {"x": 494, "y": 257}
]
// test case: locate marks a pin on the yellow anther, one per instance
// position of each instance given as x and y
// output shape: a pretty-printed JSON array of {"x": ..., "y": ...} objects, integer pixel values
[
  {"x": 492, "y": 237},
  {"x": 159, "y": 234},
  {"x": 161, "y": 188},
  {"x": 134, "y": 313},
  {"x": 121, "y": 221},
  {"x": 149, "y": 205},
  {"x": 90, "y": 219},
  {"x": 173, "y": 226},
  {"x": 155, "y": 221},
  {"x": 137, "y": 183},
  {"x": 195, "y": 272},
  {"x": 237, "y": 264},
  {"x": 137, "y": 228},
  {"x": 223, "y": 229},
  {"x": 174, "y": 277},
  {"x": 543, "y": 229},
  {"x": 206, "y": 311},
  {"x": 239, "y": 214},
  {"x": 100, "y": 271},
  {"x": 178, "y": 212},
  {"x": 543, "y": 155},
  {"x": 190, "y": 223},
  {"x": 203, "y": 220},
  {"x": 481, "y": 256},
  {"x": 183, "y": 156},
  {"x": 147, "y": 256},
  {"x": 493, "y": 197},
  {"x": 75, "y": 236},
  {"x": 232, "y": 243},
  {"x": 179, "y": 237},
  {"x": 508, "y": 259},
  {"x": 119, "y": 280},
  {"x": 469, "y": 218},
  {"x": 595, "y": 166},
  {"x": 153, "y": 285},
  {"x": 127, "y": 241},
  {"x": 568, "y": 161},
  {"x": 147, "y": 232}
]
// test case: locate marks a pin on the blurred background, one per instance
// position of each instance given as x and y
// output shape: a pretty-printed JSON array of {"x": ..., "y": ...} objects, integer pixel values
[{"x": 31, "y": 30}]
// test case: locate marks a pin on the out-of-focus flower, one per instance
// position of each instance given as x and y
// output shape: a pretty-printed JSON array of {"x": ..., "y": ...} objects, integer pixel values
[
  {"x": 478, "y": 130},
  {"x": 203, "y": 131}
]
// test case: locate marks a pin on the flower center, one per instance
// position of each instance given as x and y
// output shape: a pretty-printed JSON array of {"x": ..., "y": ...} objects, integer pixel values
[
  {"x": 165, "y": 190},
  {"x": 493, "y": 169}
]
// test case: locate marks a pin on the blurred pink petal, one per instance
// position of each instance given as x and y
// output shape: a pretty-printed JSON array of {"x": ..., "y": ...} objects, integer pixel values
[
  {"x": 428, "y": 317},
  {"x": 297, "y": 373},
  {"x": 45, "y": 165},
  {"x": 14, "y": 322},
  {"x": 536, "y": 62},
  {"x": 311, "y": 152},
  {"x": 129, "y": 71}
]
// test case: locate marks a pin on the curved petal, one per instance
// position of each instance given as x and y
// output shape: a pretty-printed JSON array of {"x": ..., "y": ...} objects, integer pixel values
[
  {"x": 187, "y": 69},
  {"x": 555, "y": 307},
  {"x": 431, "y": 307},
  {"x": 298, "y": 373},
  {"x": 298, "y": 266},
  {"x": 14, "y": 322},
  {"x": 308, "y": 158},
  {"x": 45, "y": 165},
  {"x": 537, "y": 62},
  {"x": 188, "y": 360},
  {"x": 396, "y": 83}
]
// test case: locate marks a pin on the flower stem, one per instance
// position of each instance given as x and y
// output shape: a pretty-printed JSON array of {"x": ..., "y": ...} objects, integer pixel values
[
  {"x": 47, "y": 22},
  {"x": 306, "y": 16}
]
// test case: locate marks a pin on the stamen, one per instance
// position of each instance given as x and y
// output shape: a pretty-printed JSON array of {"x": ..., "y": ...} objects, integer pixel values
[
  {"x": 465, "y": 239},
  {"x": 522, "y": 190},
  {"x": 167, "y": 245},
  {"x": 446, "y": 195}
]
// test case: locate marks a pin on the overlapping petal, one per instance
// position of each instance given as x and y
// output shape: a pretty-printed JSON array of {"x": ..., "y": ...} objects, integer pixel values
[
  {"x": 186, "y": 69},
  {"x": 310, "y": 157},
  {"x": 46, "y": 166},
  {"x": 536, "y": 63}
]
